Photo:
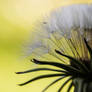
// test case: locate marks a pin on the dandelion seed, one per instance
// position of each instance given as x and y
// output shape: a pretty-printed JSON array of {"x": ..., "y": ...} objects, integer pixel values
[{"x": 67, "y": 37}]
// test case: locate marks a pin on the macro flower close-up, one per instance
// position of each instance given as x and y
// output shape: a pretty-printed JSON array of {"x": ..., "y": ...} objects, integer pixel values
[{"x": 62, "y": 44}]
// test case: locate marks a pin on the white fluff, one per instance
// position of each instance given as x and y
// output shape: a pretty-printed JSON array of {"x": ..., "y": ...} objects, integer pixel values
[
  {"x": 70, "y": 17},
  {"x": 61, "y": 22}
]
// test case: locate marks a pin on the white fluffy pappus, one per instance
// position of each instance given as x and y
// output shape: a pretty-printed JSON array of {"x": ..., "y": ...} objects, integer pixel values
[
  {"x": 61, "y": 22},
  {"x": 65, "y": 19}
]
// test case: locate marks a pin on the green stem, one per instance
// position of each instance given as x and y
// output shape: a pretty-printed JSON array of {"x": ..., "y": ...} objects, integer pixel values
[{"x": 81, "y": 85}]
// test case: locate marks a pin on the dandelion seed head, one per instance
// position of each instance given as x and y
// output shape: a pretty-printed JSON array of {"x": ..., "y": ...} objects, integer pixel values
[{"x": 66, "y": 36}]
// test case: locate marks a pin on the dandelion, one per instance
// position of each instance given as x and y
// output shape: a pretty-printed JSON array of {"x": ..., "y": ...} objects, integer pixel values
[{"x": 65, "y": 36}]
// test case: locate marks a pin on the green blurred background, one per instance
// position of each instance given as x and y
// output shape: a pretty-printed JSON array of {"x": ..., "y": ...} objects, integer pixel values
[{"x": 17, "y": 18}]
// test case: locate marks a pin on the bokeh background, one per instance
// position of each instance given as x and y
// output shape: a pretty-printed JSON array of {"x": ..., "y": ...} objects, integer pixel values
[{"x": 17, "y": 18}]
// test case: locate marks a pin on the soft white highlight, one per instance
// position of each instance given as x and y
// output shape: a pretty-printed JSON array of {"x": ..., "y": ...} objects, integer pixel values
[
  {"x": 71, "y": 17},
  {"x": 60, "y": 23}
]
